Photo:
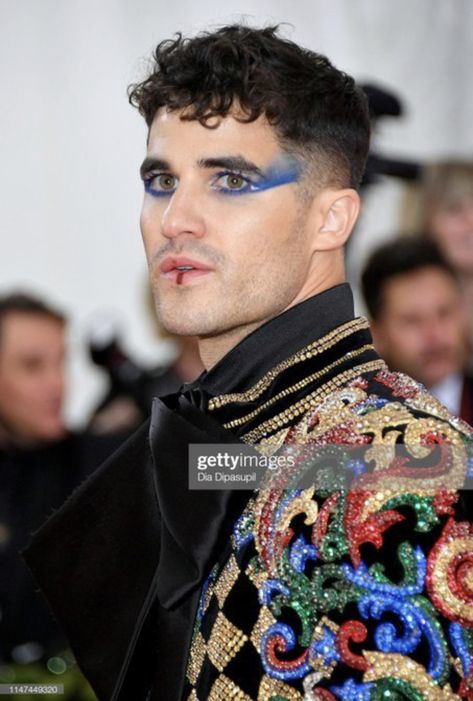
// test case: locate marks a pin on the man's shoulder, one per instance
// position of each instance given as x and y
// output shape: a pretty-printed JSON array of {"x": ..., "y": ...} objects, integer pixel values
[
  {"x": 377, "y": 407},
  {"x": 389, "y": 425},
  {"x": 385, "y": 398},
  {"x": 123, "y": 475},
  {"x": 400, "y": 390},
  {"x": 106, "y": 538}
]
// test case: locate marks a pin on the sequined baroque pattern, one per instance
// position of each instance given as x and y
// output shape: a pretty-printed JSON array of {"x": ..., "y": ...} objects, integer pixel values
[{"x": 359, "y": 593}]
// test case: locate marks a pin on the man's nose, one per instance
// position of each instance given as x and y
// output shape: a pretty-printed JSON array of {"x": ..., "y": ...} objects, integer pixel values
[
  {"x": 55, "y": 379},
  {"x": 435, "y": 332},
  {"x": 183, "y": 215}
]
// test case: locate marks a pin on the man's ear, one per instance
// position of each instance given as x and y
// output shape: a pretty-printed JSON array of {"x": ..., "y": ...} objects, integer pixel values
[{"x": 337, "y": 212}]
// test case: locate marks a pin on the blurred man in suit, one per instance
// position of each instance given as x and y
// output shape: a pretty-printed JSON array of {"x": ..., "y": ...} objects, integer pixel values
[{"x": 418, "y": 318}]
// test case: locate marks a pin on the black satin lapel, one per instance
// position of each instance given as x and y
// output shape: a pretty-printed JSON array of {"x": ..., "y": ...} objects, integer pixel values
[
  {"x": 195, "y": 524},
  {"x": 95, "y": 560}
]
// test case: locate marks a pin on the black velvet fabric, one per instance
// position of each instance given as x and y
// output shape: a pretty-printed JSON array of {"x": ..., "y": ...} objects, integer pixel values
[
  {"x": 86, "y": 559},
  {"x": 131, "y": 534}
]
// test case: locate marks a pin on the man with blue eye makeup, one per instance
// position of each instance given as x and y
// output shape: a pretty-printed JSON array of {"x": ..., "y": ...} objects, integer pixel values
[{"x": 255, "y": 151}]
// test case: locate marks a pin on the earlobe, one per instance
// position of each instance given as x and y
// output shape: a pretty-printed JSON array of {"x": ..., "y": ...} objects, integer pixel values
[{"x": 339, "y": 209}]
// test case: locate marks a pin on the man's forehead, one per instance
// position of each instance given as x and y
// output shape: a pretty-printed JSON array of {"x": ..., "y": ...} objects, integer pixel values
[
  {"x": 170, "y": 133},
  {"x": 166, "y": 115},
  {"x": 400, "y": 289},
  {"x": 19, "y": 324}
]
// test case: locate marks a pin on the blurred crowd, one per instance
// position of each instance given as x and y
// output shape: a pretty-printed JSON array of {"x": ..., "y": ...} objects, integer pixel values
[
  {"x": 42, "y": 460},
  {"x": 418, "y": 292},
  {"x": 418, "y": 289}
]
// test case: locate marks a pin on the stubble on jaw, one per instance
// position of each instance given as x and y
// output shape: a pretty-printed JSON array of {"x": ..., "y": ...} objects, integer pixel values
[
  {"x": 222, "y": 322},
  {"x": 236, "y": 310}
]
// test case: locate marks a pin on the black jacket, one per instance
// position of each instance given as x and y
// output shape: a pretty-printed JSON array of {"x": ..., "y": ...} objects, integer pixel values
[{"x": 133, "y": 561}]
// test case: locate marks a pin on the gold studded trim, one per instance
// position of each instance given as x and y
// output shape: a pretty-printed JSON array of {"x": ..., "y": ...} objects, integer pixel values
[
  {"x": 224, "y": 643},
  {"x": 310, "y": 351},
  {"x": 226, "y": 580},
  {"x": 223, "y": 689},
  {"x": 310, "y": 401},
  {"x": 317, "y": 661},
  {"x": 196, "y": 658},
  {"x": 264, "y": 621},
  {"x": 299, "y": 385},
  {"x": 269, "y": 688}
]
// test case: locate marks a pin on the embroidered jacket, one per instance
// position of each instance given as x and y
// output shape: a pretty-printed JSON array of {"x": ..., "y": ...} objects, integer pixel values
[
  {"x": 354, "y": 593},
  {"x": 319, "y": 592}
]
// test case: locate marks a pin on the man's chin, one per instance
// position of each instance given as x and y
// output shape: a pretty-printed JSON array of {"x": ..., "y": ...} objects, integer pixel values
[
  {"x": 52, "y": 433},
  {"x": 184, "y": 316},
  {"x": 435, "y": 375},
  {"x": 186, "y": 326}
]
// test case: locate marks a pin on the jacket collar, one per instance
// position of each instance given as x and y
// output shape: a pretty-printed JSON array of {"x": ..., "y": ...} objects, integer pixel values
[{"x": 276, "y": 340}]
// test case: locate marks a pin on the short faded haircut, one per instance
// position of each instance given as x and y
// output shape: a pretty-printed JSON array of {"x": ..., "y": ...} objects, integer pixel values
[{"x": 318, "y": 111}]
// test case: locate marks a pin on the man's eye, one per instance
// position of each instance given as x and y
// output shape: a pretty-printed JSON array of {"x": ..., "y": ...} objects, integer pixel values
[
  {"x": 235, "y": 182},
  {"x": 160, "y": 184},
  {"x": 166, "y": 182},
  {"x": 231, "y": 182}
]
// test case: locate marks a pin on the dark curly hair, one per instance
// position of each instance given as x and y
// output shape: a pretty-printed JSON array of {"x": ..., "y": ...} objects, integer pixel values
[
  {"x": 407, "y": 254},
  {"x": 317, "y": 110}
]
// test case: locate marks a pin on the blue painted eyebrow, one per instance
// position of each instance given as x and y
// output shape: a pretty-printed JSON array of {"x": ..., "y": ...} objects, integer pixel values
[
  {"x": 279, "y": 173},
  {"x": 283, "y": 170}
]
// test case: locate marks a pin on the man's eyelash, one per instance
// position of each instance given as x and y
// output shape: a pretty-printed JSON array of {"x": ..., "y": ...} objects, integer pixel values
[
  {"x": 148, "y": 179},
  {"x": 249, "y": 183},
  {"x": 151, "y": 176},
  {"x": 234, "y": 173}
]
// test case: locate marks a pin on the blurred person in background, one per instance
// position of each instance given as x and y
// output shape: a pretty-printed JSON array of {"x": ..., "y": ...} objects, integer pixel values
[
  {"x": 32, "y": 376},
  {"x": 447, "y": 214},
  {"x": 41, "y": 461},
  {"x": 132, "y": 386},
  {"x": 417, "y": 319}
]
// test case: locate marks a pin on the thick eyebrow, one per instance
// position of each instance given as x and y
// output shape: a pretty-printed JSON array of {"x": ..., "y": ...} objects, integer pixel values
[
  {"x": 153, "y": 164},
  {"x": 236, "y": 163}
]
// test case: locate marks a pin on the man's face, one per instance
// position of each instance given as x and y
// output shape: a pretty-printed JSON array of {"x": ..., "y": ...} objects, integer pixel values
[
  {"x": 452, "y": 229},
  {"x": 31, "y": 377},
  {"x": 224, "y": 225},
  {"x": 421, "y": 329}
]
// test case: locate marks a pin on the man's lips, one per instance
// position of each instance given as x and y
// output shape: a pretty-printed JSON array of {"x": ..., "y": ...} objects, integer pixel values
[{"x": 180, "y": 268}]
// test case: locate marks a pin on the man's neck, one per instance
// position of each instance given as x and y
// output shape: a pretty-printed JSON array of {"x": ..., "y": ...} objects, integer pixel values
[
  {"x": 213, "y": 348},
  {"x": 316, "y": 337}
]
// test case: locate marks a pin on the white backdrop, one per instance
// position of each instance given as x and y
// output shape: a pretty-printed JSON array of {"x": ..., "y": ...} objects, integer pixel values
[{"x": 71, "y": 145}]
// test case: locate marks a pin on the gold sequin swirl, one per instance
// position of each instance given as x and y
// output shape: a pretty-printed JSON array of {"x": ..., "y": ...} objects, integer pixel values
[{"x": 397, "y": 666}]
